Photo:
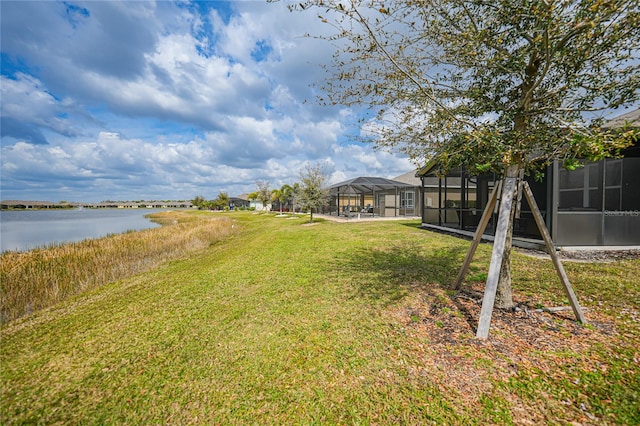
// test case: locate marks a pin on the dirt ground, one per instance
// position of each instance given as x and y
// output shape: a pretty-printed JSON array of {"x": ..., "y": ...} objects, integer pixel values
[{"x": 529, "y": 340}]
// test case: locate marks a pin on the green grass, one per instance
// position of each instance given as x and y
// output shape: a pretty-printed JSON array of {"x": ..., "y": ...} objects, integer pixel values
[{"x": 286, "y": 323}]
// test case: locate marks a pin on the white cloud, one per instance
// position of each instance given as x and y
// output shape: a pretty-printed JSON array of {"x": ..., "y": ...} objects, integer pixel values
[{"x": 113, "y": 100}]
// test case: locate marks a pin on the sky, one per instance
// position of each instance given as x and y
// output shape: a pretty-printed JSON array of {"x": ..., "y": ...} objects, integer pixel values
[{"x": 142, "y": 100}]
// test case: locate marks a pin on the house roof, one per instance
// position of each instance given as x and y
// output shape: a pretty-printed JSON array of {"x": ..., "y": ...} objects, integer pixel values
[
  {"x": 631, "y": 117},
  {"x": 427, "y": 168},
  {"x": 409, "y": 178},
  {"x": 363, "y": 184}
]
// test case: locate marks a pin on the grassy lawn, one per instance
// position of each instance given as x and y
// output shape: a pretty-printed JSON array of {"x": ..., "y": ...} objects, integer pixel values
[{"x": 288, "y": 323}]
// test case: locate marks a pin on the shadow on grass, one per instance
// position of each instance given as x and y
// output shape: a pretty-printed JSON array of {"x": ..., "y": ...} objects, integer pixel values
[{"x": 386, "y": 276}]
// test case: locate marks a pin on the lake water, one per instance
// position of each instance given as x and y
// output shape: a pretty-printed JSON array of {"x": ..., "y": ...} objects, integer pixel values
[{"x": 26, "y": 229}]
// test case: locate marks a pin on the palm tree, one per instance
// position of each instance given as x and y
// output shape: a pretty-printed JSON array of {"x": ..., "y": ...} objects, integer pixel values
[
  {"x": 295, "y": 195},
  {"x": 264, "y": 194},
  {"x": 198, "y": 201},
  {"x": 253, "y": 196},
  {"x": 275, "y": 196},
  {"x": 222, "y": 201},
  {"x": 283, "y": 194}
]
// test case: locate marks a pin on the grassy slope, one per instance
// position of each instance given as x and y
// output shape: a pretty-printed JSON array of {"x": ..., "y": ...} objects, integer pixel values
[{"x": 331, "y": 323}]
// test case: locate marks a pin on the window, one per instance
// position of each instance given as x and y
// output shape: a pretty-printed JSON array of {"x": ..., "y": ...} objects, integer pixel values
[
  {"x": 613, "y": 185},
  {"x": 581, "y": 189},
  {"x": 407, "y": 200},
  {"x": 629, "y": 184},
  {"x": 431, "y": 198}
]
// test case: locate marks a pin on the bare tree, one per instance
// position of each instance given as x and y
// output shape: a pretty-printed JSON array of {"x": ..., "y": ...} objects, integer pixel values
[{"x": 264, "y": 194}]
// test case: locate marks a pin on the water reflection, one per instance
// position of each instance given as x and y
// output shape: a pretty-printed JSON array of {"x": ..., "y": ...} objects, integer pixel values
[{"x": 27, "y": 229}]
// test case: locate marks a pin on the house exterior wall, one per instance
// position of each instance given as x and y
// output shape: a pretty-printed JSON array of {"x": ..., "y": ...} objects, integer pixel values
[
  {"x": 404, "y": 201},
  {"x": 597, "y": 204}
]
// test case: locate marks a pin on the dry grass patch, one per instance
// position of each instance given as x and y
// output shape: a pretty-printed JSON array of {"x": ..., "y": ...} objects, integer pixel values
[{"x": 38, "y": 278}]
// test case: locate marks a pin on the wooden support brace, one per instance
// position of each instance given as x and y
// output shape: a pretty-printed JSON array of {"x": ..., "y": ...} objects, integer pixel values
[
  {"x": 484, "y": 221},
  {"x": 496, "y": 257},
  {"x": 577, "y": 310}
]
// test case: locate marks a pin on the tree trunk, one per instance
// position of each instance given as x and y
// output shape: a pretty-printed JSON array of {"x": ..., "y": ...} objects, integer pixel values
[{"x": 504, "y": 296}]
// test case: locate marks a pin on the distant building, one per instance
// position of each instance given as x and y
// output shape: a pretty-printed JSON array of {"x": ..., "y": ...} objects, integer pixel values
[
  {"x": 375, "y": 196},
  {"x": 239, "y": 202}
]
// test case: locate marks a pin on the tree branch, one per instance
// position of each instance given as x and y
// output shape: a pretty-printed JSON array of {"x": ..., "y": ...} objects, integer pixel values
[{"x": 408, "y": 75}]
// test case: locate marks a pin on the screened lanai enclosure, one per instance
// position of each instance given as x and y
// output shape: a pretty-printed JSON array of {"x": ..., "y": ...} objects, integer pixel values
[
  {"x": 594, "y": 205},
  {"x": 457, "y": 200},
  {"x": 373, "y": 197}
]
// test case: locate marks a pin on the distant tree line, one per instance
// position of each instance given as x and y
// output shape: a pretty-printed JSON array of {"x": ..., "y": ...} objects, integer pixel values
[
  {"x": 306, "y": 196},
  {"x": 221, "y": 202}
]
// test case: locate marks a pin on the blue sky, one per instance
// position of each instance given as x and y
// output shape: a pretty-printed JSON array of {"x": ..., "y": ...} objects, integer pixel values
[{"x": 167, "y": 100}]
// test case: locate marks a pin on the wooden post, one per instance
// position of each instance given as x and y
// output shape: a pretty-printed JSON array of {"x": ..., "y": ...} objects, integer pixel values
[
  {"x": 496, "y": 257},
  {"x": 484, "y": 221},
  {"x": 577, "y": 310}
]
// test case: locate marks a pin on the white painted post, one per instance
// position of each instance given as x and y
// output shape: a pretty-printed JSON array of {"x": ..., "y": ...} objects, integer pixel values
[{"x": 496, "y": 258}]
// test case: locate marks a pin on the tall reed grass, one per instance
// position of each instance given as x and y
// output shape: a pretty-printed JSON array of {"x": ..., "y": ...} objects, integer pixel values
[{"x": 44, "y": 276}]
